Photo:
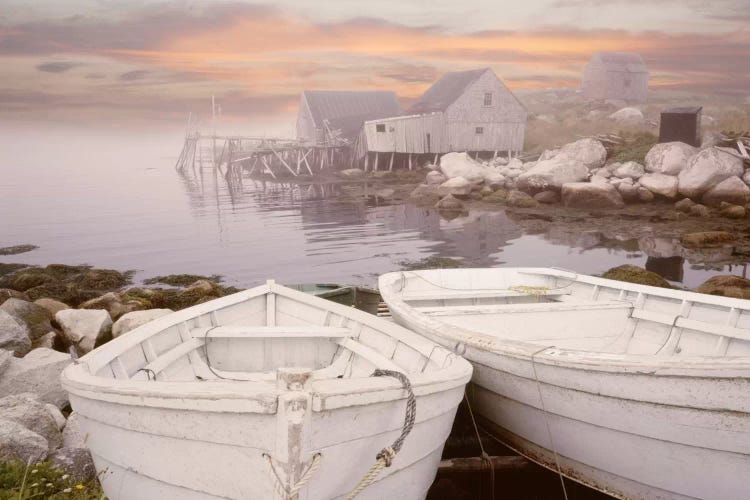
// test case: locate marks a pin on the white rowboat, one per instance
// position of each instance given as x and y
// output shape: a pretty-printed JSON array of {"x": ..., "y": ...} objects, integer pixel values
[
  {"x": 266, "y": 393},
  {"x": 637, "y": 391}
]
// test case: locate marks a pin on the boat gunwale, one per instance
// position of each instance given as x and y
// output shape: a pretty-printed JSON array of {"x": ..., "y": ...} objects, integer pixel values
[
  {"x": 688, "y": 366},
  {"x": 79, "y": 378}
]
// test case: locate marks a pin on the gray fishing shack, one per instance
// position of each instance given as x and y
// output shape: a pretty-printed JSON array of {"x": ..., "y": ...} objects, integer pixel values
[
  {"x": 334, "y": 117},
  {"x": 621, "y": 76}
]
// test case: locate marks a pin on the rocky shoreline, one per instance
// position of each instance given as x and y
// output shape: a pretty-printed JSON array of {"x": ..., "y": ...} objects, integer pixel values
[{"x": 48, "y": 314}]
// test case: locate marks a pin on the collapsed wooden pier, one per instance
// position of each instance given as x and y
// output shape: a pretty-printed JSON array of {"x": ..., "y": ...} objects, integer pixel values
[{"x": 233, "y": 155}]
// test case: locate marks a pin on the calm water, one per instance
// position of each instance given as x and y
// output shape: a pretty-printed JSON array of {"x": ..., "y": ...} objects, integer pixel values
[{"x": 114, "y": 200}]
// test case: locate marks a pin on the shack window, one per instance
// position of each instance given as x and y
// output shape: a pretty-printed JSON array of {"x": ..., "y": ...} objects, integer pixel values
[
  {"x": 380, "y": 127},
  {"x": 479, "y": 130},
  {"x": 488, "y": 98}
]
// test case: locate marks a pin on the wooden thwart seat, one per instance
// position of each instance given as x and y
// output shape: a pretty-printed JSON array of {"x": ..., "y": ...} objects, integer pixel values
[
  {"x": 267, "y": 332},
  {"x": 369, "y": 354},
  {"x": 478, "y": 294}
]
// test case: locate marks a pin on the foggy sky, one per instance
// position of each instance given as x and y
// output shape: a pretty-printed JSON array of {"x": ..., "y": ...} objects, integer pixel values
[{"x": 100, "y": 58}]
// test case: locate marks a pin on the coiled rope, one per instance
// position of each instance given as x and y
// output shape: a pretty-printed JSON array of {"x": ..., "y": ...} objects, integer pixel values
[
  {"x": 291, "y": 493},
  {"x": 385, "y": 457}
]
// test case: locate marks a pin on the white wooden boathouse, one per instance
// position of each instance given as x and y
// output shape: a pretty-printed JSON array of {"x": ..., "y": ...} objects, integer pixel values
[{"x": 463, "y": 111}]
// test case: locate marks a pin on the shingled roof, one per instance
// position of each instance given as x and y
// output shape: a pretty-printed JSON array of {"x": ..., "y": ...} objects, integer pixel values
[
  {"x": 625, "y": 62},
  {"x": 445, "y": 91},
  {"x": 348, "y": 109}
]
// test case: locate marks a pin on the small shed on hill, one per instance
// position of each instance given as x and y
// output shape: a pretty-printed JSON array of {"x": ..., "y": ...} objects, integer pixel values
[
  {"x": 463, "y": 111},
  {"x": 616, "y": 75},
  {"x": 330, "y": 117}
]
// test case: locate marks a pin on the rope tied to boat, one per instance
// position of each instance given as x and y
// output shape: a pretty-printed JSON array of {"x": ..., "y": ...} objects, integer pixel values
[
  {"x": 291, "y": 493},
  {"x": 385, "y": 457}
]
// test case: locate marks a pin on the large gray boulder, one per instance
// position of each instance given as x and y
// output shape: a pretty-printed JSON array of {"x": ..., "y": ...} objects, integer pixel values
[
  {"x": 669, "y": 158},
  {"x": 34, "y": 316},
  {"x": 83, "y": 328},
  {"x": 664, "y": 185},
  {"x": 590, "y": 152},
  {"x": 19, "y": 443},
  {"x": 732, "y": 190},
  {"x": 456, "y": 186},
  {"x": 707, "y": 169},
  {"x": 461, "y": 165},
  {"x": 134, "y": 319},
  {"x": 14, "y": 335},
  {"x": 32, "y": 414},
  {"x": 552, "y": 174},
  {"x": 38, "y": 373},
  {"x": 588, "y": 195}
]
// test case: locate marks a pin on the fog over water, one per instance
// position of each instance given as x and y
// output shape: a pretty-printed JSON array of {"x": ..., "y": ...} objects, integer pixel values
[{"x": 113, "y": 199}]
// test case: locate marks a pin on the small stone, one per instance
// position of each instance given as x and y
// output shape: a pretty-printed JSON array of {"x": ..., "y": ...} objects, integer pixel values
[
  {"x": 706, "y": 238},
  {"x": 449, "y": 202},
  {"x": 14, "y": 335},
  {"x": 684, "y": 205},
  {"x": 57, "y": 415},
  {"x": 435, "y": 178},
  {"x": 114, "y": 304},
  {"x": 133, "y": 320},
  {"x": 51, "y": 305},
  {"x": 499, "y": 196},
  {"x": 547, "y": 197},
  {"x": 75, "y": 461},
  {"x": 630, "y": 169},
  {"x": 726, "y": 286},
  {"x": 628, "y": 191},
  {"x": 425, "y": 194},
  {"x": 456, "y": 186},
  {"x": 645, "y": 195},
  {"x": 587, "y": 195},
  {"x": 351, "y": 173},
  {"x": 519, "y": 199},
  {"x": 733, "y": 212},
  {"x": 48, "y": 340},
  {"x": 699, "y": 210},
  {"x": 486, "y": 191},
  {"x": 664, "y": 185}
]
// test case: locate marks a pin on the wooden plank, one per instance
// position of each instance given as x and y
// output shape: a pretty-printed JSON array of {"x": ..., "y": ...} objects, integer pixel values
[
  {"x": 743, "y": 151},
  {"x": 269, "y": 332},
  {"x": 283, "y": 162},
  {"x": 692, "y": 324},
  {"x": 510, "y": 463},
  {"x": 526, "y": 307},
  {"x": 369, "y": 354},
  {"x": 177, "y": 352},
  {"x": 478, "y": 294}
]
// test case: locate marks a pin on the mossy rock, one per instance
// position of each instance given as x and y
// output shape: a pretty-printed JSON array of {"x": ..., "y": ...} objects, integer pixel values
[
  {"x": 8, "y": 269},
  {"x": 706, "y": 239},
  {"x": 433, "y": 262},
  {"x": 726, "y": 286},
  {"x": 64, "y": 292},
  {"x": 635, "y": 274},
  {"x": 30, "y": 278},
  {"x": 634, "y": 148},
  {"x": 16, "y": 249},
  {"x": 181, "y": 279},
  {"x": 104, "y": 279}
]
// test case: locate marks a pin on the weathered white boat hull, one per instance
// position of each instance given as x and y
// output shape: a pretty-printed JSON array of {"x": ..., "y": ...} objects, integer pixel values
[
  {"x": 138, "y": 464},
  {"x": 180, "y": 408},
  {"x": 633, "y": 427}
]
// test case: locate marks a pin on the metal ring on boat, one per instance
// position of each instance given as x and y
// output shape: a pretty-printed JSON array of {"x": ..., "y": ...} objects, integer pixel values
[{"x": 460, "y": 348}]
